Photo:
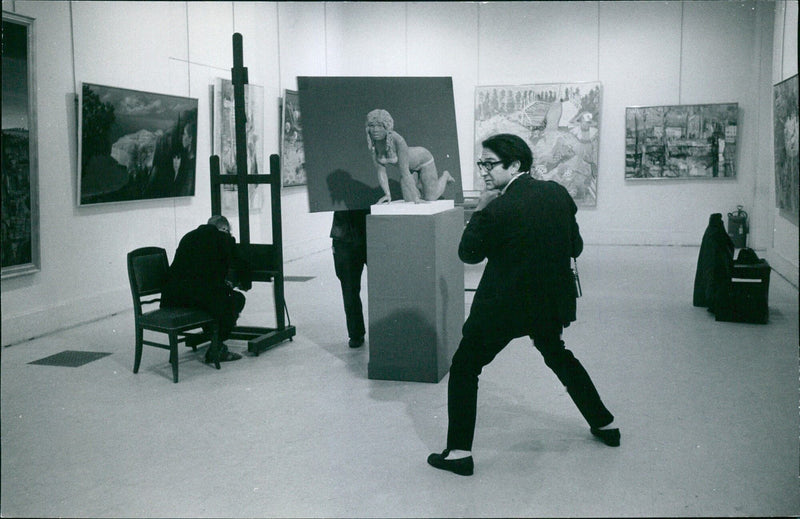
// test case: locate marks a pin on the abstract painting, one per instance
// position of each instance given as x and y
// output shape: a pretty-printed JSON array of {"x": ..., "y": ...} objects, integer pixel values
[
  {"x": 20, "y": 213},
  {"x": 345, "y": 168},
  {"x": 786, "y": 149},
  {"x": 135, "y": 145},
  {"x": 225, "y": 140},
  {"x": 681, "y": 141},
  {"x": 559, "y": 121},
  {"x": 293, "y": 160}
]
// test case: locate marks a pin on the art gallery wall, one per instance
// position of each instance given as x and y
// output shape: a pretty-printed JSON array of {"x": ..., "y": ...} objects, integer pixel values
[{"x": 643, "y": 53}]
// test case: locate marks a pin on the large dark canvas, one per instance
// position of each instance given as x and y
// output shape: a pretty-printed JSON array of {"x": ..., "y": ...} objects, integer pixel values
[
  {"x": 135, "y": 145},
  {"x": 340, "y": 170},
  {"x": 786, "y": 149}
]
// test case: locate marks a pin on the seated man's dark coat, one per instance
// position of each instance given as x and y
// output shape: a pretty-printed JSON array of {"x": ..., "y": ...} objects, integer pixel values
[{"x": 197, "y": 276}]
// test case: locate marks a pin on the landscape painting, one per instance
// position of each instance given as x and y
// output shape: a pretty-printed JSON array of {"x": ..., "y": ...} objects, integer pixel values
[
  {"x": 20, "y": 213},
  {"x": 786, "y": 149},
  {"x": 293, "y": 160},
  {"x": 559, "y": 121},
  {"x": 681, "y": 141},
  {"x": 135, "y": 145}
]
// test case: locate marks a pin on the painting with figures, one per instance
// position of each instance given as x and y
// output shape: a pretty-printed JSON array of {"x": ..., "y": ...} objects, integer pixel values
[
  {"x": 293, "y": 160},
  {"x": 135, "y": 145},
  {"x": 559, "y": 121},
  {"x": 224, "y": 144},
  {"x": 681, "y": 141}
]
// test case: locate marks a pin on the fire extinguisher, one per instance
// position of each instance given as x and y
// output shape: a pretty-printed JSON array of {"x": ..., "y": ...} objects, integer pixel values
[{"x": 738, "y": 227}]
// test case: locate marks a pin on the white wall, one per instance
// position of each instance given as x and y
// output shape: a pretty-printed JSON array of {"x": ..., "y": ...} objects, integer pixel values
[{"x": 643, "y": 53}]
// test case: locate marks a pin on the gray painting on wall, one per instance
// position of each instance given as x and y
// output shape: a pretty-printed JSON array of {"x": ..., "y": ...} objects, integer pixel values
[
  {"x": 681, "y": 141},
  {"x": 786, "y": 149},
  {"x": 344, "y": 161}
]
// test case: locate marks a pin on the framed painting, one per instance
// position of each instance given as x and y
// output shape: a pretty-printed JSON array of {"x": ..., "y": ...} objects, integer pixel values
[
  {"x": 559, "y": 121},
  {"x": 293, "y": 160},
  {"x": 681, "y": 141},
  {"x": 135, "y": 145},
  {"x": 786, "y": 148},
  {"x": 20, "y": 207},
  {"x": 224, "y": 145},
  {"x": 361, "y": 135}
]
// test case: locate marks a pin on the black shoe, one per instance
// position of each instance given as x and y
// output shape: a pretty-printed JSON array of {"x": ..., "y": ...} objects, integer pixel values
[
  {"x": 608, "y": 436},
  {"x": 224, "y": 356},
  {"x": 461, "y": 466},
  {"x": 356, "y": 343}
]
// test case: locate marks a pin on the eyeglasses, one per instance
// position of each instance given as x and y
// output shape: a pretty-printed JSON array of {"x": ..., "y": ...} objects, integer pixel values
[{"x": 488, "y": 165}]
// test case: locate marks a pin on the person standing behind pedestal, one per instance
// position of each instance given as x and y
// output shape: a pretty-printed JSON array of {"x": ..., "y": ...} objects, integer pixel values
[
  {"x": 527, "y": 230},
  {"x": 349, "y": 236}
]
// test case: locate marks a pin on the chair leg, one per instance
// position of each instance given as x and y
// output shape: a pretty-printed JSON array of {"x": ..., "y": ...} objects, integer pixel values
[
  {"x": 137, "y": 358},
  {"x": 173, "y": 355}
]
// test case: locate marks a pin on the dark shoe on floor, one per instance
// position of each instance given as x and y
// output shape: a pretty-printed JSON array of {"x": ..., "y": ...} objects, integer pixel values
[
  {"x": 356, "y": 343},
  {"x": 224, "y": 356},
  {"x": 461, "y": 466},
  {"x": 608, "y": 436}
]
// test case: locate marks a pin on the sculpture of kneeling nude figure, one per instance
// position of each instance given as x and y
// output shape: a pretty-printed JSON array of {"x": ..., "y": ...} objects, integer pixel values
[{"x": 418, "y": 177}]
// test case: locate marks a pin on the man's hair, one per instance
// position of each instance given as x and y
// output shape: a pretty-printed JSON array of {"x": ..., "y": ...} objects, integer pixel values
[
  {"x": 219, "y": 222},
  {"x": 509, "y": 148}
]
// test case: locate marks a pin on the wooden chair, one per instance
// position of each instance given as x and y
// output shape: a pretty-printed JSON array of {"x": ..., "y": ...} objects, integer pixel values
[{"x": 147, "y": 272}]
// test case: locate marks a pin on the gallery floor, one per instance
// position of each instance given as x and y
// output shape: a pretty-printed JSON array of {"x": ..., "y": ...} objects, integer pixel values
[{"x": 708, "y": 413}]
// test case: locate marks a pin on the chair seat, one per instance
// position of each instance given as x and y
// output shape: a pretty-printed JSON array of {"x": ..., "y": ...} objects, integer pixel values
[{"x": 166, "y": 318}]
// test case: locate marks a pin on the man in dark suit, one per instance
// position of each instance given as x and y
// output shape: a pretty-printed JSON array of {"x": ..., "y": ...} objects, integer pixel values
[
  {"x": 349, "y": 242},
  {"x": 198, "y": 278},
  {"x": 527, "y": 230}
]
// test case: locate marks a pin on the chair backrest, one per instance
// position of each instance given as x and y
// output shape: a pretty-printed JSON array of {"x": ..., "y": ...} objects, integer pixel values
[{"x": 147, "y": 272}]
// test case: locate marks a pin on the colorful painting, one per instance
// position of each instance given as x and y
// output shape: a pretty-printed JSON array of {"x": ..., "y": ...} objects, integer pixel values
[
  {"x": 364, "y": 136},
  {"x": 681, "y": 141},
  {"x": 786, "y": 149},
  {"x": 20, "y": 222},
  {"x": 559, "y": 121},
  {"x": 135, "y": 145},
  {"x": 225, "y": 141},
  {"x": 293, "y": 159}
]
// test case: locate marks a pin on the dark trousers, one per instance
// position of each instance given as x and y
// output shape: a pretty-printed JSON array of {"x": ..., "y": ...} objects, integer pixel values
[
  {"x": 223, "y": 303},
  {"x": 349, "y": 259},
  {"x": 473, "y": 354},
  {"x": 228, "y": 312}
]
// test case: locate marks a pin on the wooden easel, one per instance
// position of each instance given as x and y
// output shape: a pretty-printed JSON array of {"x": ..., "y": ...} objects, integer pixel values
[{"x": 267, "y": 258}]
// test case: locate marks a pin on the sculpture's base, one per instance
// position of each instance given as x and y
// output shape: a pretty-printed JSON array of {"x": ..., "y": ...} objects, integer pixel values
[
  {"x": 401, "y": 207},
  {"x": 416, "y": 294}
]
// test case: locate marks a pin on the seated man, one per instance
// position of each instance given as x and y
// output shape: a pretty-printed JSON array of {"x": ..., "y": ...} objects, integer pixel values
[{"x": 197, "y": 279}]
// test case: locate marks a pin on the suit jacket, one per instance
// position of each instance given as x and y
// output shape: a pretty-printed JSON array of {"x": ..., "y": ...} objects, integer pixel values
[
  {"x": 528, "y": 235},
  {"x": 197, "y": 276}
]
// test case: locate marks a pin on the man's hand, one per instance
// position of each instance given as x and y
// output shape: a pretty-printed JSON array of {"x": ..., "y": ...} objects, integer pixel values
[
  {"x": 485, "y": 197},
  {"x": 385, "y": 199}
]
